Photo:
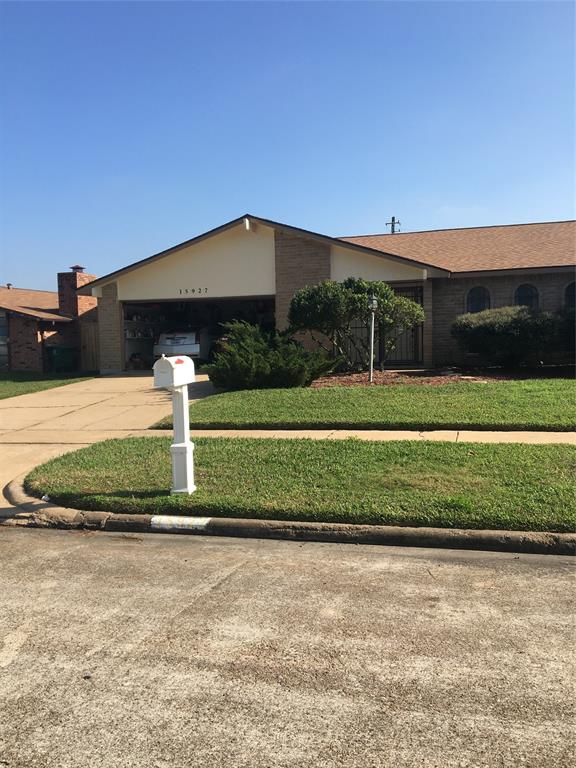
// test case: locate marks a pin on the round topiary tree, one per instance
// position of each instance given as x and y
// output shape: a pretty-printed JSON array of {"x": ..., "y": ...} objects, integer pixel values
[{"x": 337, "y": 315}]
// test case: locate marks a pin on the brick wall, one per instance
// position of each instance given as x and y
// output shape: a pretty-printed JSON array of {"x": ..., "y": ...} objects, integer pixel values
[
  {"x": 300, "y": 262},
  {"x": 25, "y": 350},
  {"x": 110, "y": 330},
  {"x": 449, "y": 299}
]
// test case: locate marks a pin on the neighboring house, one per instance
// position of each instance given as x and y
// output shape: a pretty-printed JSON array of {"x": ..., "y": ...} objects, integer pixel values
[
  {"x": 250, "y": 268},
  {"x": 49, "y": 330}
]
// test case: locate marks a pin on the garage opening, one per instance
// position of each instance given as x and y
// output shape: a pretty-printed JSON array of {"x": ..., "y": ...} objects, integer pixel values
[{"x": 185, "y": 327}]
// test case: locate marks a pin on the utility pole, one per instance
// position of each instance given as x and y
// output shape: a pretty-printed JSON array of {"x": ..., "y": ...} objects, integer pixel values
[{"x": 393, "y": 225}]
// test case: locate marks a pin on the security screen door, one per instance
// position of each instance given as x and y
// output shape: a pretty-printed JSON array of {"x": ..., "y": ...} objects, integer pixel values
[{"x": 409, "y": 345}]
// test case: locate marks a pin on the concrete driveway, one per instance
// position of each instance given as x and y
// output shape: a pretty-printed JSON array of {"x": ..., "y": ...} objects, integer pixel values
[
  {"x": 38, "y": 426},
  {"x": 162, "y": 651}
]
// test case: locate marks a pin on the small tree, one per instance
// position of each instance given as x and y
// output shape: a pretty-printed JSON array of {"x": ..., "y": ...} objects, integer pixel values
[{"x": 337, "y": 315}]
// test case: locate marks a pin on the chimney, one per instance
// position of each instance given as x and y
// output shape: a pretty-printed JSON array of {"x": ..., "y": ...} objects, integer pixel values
[{"x": 69, "y": 302}]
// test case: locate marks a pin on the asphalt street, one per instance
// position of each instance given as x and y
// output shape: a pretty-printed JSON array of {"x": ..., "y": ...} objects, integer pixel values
[{"x": 162, "y": 651}]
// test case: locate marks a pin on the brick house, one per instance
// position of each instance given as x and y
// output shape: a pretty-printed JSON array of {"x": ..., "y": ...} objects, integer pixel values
[
  {"x": 250, "y": 267},
  {"x": 33, "y": 324}
]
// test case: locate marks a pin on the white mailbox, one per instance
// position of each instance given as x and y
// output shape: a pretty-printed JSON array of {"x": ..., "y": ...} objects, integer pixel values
[{"x": 174, "y": 371}]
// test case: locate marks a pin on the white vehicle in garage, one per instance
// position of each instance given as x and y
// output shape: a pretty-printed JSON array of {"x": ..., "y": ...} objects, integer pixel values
[{"x": 178, "y": 343}]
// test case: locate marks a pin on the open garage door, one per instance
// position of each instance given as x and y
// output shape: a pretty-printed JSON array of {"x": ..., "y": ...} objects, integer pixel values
[{"x": 147, "y": 323}]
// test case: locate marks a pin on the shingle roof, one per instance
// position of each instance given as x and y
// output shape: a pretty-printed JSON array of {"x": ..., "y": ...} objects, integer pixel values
[
  {"x": 512, "y": 246},
  {"x": 40, "y": 304}
]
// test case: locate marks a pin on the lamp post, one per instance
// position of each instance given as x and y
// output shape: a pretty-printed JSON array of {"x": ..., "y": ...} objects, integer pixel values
[{"x": 373, "y": 305}]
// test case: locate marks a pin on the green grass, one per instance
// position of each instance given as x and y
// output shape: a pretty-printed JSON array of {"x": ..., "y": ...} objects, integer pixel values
[
  {"x": 15, "y": 383},
  {"x": 513, "y": 486},
  {"x": 533, "y": 404}
]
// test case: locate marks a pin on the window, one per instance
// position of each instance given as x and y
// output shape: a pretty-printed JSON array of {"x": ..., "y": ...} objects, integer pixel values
[
  {"x": 526, "y": 296},
  {"x": 478, "y": 299},
  {"x": 570, "y": 296}
]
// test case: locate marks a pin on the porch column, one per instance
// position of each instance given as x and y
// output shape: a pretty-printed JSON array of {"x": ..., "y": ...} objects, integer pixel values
[{"x": 111, "y": 331}]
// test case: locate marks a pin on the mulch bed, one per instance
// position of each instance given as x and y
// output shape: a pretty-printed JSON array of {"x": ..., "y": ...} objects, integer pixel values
[{"x": 388, "y": 378}]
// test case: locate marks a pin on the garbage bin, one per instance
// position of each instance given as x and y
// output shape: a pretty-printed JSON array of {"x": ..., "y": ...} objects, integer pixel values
[{"x": 63, "y": 359}]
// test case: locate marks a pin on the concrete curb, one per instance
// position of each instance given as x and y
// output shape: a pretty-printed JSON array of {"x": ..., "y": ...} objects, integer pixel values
[{"x": 36, "y": 513}]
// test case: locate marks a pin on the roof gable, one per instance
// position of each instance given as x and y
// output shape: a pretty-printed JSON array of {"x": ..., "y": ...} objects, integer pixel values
[{"x": 235, "y": 262}]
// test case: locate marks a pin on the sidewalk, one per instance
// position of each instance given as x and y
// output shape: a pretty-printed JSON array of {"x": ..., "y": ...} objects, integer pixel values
[{"x": 451, "y": 436}]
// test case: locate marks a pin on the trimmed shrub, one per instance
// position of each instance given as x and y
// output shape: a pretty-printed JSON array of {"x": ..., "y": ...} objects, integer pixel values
[
  {"x": 505, "y": 336},
  {"x": 250, "y": 358}
]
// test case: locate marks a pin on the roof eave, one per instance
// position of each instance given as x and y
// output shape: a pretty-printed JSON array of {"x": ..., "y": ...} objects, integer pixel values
[
  {"x": 46, "y": 316},
  {"x": 502, "y": 271},
  {"x": 343, "y": 243}
]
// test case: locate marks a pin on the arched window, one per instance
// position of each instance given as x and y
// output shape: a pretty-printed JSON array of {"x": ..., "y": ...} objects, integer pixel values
[
  {"x": 570, "y": 296},
  {"x": 526, "y": 296},
  {"x": 478, "y": 299}
]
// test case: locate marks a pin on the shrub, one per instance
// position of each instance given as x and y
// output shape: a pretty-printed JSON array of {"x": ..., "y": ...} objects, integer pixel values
[
  {"x": 565, "y": 331},
  {"x": 505, "y": 336},
  {"x": 251, "y": 358}
]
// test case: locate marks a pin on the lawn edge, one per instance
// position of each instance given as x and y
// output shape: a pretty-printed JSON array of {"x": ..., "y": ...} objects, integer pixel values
[
  {"x": 341, "y": 423},
  {"x": 369, "y": 427},
  {"x": 63, "y": 383},
  {"x": 33, "y": 512}
]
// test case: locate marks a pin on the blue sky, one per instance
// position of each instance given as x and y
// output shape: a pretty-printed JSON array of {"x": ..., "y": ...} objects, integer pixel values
[{"x": 129, "y": 127}]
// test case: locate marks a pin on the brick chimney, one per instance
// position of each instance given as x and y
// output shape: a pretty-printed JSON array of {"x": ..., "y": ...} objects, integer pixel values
[{"x": 69, "y": 302}]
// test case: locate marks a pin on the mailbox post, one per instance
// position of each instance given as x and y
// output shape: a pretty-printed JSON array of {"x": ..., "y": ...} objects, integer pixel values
[{"x": 175, "y": 373}]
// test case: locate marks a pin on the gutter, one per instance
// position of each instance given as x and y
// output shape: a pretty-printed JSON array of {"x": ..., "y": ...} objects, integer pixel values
[{"x": 32, "y": 512}]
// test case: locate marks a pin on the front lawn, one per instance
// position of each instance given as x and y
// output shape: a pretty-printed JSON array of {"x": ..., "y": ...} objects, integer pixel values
[
  {"x": 532, "y": 404},
  {"x": 13, "y": 383},
  {"x": 523, "y": 487}
]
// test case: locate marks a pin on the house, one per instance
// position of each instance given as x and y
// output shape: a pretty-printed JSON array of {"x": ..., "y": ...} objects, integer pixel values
[
  {"x": 249, "y": 268},
  {"x": 49, "y": 330}
]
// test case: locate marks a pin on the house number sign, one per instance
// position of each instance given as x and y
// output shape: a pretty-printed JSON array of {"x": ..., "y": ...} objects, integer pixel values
[{"x": 192, "y": 291}]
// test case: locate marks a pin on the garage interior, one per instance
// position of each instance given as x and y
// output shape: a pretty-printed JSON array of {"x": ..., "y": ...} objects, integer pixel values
[{"x": 144, "y": 321}]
